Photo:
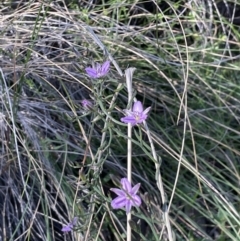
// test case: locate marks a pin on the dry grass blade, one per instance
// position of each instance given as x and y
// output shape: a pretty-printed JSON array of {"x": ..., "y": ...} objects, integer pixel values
[{"x": 55, "y": 155}]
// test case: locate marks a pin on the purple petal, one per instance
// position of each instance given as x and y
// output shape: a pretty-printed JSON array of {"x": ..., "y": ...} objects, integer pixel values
[
  {"x": 91, "y": 72},
  {"x": 119, "y": 192},
  {"x": 141, "y": 119},
  {"x": 98, "y": 67},
  {"x": 86, "y": 104},
  {"x": 128, "y": 206},
  {"x": 138, "y": 107},
  {"x": 145, "y": 112},
  {"x": 129, "y": 119},
  {"x": 118, "y": 202},
  {"x": 136, "y": 200},
  {"x": 126, "y": 185},
  {"x": 74, "y": 221},
  {"x": 143, "y": 116},
  {"x": 67, "y": 228},
  {"x": 129, "y": 112},
  {"x": 105, "y": 67},
  {"x": 135, "y": 189}
]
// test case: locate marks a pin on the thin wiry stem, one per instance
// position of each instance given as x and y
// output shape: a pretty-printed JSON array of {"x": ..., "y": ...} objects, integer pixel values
[
  {"x": 98, "y": 41},
  {"x": 129, "y": 175},
  {"x": 160, "y": 184},
  {"x": 129, "y": 74}
]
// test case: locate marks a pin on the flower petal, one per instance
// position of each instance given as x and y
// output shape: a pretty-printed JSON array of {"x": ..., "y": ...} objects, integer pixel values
[
  {"x": 67, "y": 228},
  {"x": 126, "y": 185},
  {"x": 138, "y": 107},
  {"x": 129, "y": 119},
  {"x": 105, "y": 67},
  {"x": 98, "y": 67},
  {"x": 118, "y": 202},
  {"x": 91, "y": 72},
  {"x": 128, "y": 206},
  {"x": 74, "y": 221},
  {"x": 119, "y": 192},
  {"x": 128, "y": 112},
  {"x": 145, "y": 112},
  {"x": 136, "y": 200},
  {"x": 135, "y": 189},
  {"x": 141, "y": 119},
  {"x": 86, "y": 104}
]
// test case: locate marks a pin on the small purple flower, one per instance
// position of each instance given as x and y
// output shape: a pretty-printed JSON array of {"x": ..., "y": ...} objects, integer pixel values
[
  {"x": 137, "y": 115},
  {"x": 98, "y": 70},
  {"x": 69, "y": 227},
  {"x": 87, "y": 104},
  {"x": 127, "y": 196}
]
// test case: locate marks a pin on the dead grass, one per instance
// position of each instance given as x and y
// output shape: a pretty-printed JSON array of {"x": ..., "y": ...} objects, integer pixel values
[{"x": 188, "y": 63}]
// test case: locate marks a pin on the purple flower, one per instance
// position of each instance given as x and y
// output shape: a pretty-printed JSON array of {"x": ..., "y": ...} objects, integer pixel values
[
  {"x": 98, "y": 70},
  {"x": 127, "y": 196},
  {"x": 87, "y": 104},
  {"x": 69, "y": 227},
  {"x": 137, "y": 115}
]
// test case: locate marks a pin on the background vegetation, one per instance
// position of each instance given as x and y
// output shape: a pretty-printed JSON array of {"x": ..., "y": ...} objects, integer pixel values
[{"x": 53, "y": 166}]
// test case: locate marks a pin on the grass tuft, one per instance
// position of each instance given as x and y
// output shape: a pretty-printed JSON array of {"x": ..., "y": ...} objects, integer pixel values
[{"x": 59, "y": 160}]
